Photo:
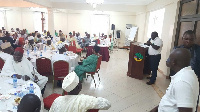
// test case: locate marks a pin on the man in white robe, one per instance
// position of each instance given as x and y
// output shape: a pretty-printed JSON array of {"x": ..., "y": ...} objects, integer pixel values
[
  {"x": 7, "y": 51},
  {"x": 23, "y": 67},
  {"x": 77, "y": 103}
]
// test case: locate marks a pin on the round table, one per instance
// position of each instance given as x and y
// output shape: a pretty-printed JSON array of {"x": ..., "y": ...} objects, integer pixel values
[
  {"x": 6, "y": 88},
  {"x": 73, "y": 62}
]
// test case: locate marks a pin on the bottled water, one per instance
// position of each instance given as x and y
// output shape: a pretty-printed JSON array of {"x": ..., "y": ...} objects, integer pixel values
[
  {"x": 14, "y": 81},
  {"x": 34, "y": 49},
  {"x": 27, "y": 53},
  {"x": 45, "y": 48},
  {"x": 40, "y": 54},
  {"x": 31, "y": 89}
]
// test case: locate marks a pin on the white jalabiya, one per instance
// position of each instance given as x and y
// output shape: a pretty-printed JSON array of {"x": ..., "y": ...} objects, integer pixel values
[
  {"x": 4, "y": 56},
  {"x": 24, "y": 67},
  {"x": 79, "y": 103}
]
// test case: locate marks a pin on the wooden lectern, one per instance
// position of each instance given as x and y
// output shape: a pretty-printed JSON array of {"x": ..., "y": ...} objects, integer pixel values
[{"x": 138, "y": 64}]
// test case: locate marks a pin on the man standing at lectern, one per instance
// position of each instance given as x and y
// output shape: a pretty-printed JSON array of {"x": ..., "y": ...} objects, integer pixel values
[{"x": 155, "y": 46}]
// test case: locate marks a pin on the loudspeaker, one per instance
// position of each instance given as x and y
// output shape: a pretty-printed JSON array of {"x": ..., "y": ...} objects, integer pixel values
[
  {"x": 118, "y": 33},
  {"x": 112, "y": 27}
]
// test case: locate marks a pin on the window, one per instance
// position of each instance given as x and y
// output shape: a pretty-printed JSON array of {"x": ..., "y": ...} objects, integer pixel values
[{"x": 156, "y": 22}]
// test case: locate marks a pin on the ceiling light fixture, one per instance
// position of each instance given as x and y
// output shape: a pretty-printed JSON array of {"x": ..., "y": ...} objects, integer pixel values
[{"x": 94, "y": 3}]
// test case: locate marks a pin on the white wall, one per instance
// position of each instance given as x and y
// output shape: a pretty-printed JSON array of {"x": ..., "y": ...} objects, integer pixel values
[
  {"x": 19, "y": 19},
  {"x": 120, "y": 22},
  {"x": 80, "y": 22},
  {"x": 168, "y": 30}
]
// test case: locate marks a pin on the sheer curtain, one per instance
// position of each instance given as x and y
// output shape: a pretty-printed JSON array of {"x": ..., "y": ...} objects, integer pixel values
[
  {"x": 2, "y": 24},
  {"x": 100, "y": 24},
  {"x": 38, "y": 21}
]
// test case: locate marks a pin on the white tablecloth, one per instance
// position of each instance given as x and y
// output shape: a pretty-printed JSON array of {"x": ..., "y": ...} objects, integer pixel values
[
  {"x": 73, "y": 62},
  {"x": 6, "y": 88}
]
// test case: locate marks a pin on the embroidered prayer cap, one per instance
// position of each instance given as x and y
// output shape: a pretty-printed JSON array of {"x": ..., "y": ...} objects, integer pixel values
[
  {"x": 30, "y": 38},
  {"x": 60, "y": 45},
  {"x": 5, "y": 45},
  {"x": 20, "y": 49},
  {"x": 70, "y": 82}
]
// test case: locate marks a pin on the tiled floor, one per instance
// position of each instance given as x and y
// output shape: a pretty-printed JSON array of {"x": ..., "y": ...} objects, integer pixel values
[{"x": 125, "y": 94}]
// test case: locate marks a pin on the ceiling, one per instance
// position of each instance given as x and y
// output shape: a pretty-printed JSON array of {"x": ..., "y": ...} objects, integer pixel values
[{"x": 122, "y": 2}]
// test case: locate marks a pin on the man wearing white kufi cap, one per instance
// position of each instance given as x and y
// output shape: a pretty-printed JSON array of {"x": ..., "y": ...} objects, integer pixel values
[
  {"x": 7, "y": 51},
  {"x": 77, "y": 103},
  {"x": 29, "y": 45}
]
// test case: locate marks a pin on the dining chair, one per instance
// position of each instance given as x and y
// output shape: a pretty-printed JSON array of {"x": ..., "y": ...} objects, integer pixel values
[
  {"x": 48, "y": 101},
  {"x": 96, "y": 71},
  {"x": 1, "y": 63},
  {"x": 60, "y": 70},
  {"x": 44, "y": 66}
]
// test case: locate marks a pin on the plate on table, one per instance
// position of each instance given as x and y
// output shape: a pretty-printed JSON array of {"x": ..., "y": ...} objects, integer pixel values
[{"x": 5, "y": 97}]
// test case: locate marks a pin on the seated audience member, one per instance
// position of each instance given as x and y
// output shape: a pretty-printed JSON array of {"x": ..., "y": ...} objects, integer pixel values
[
  {"x": 30, "y": 44},
  {"x": 23, "y": 67},
  {"x": 183, "y": 91},
  {"x": 1, "y": 33},
  {"x": 29, "y": 103},
  {"x": 60, "y": 56},
  {"x": 56, "y": 34},
  {"x": 50, "y": 46},
  {"x": 60, "y": 33},
  {"x": 74, "y": 102},
  {"x": 106, "y": 41},
  {"x": 62, "y": 38},
  {"x": 78, "y": 38},
  {"x": 71, "y": 38},
  {"x": 89, "y": 64},
  {"x": 7, "y": 38},
  {"x": 49, "y": 35},
  {"x": 7, "y": 51},
  {"x": 86, "y": 41},
  {"x": 188, "y": 43}
]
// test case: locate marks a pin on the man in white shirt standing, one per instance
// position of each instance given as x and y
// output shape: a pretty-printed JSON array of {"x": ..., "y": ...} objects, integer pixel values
[
  {"x": 155, "y": 46},
  {"x": 182, "y": 93}
]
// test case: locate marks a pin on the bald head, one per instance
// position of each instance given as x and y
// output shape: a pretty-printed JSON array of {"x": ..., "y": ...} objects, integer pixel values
[
  {"x": 29, "y": 103},
  {"x": 179, "y": 59}
]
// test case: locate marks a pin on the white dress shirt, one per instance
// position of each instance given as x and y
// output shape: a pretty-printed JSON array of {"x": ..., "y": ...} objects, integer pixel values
[
  {"x": 183, "y": 91},
  {"x": 158, "y": 42}
]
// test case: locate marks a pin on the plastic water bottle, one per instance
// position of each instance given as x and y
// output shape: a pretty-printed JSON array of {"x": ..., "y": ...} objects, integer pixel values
[
  {"x": 42, "y": 41},
  {"x": 14, "y": 81},
  {"x": 45, "y": 48},
  {"x": 35, "y": 50},
  {"x": 40, "y": 54},
  {"x": 31, "y": 89},
  {"x": 27, "y": 53}
]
